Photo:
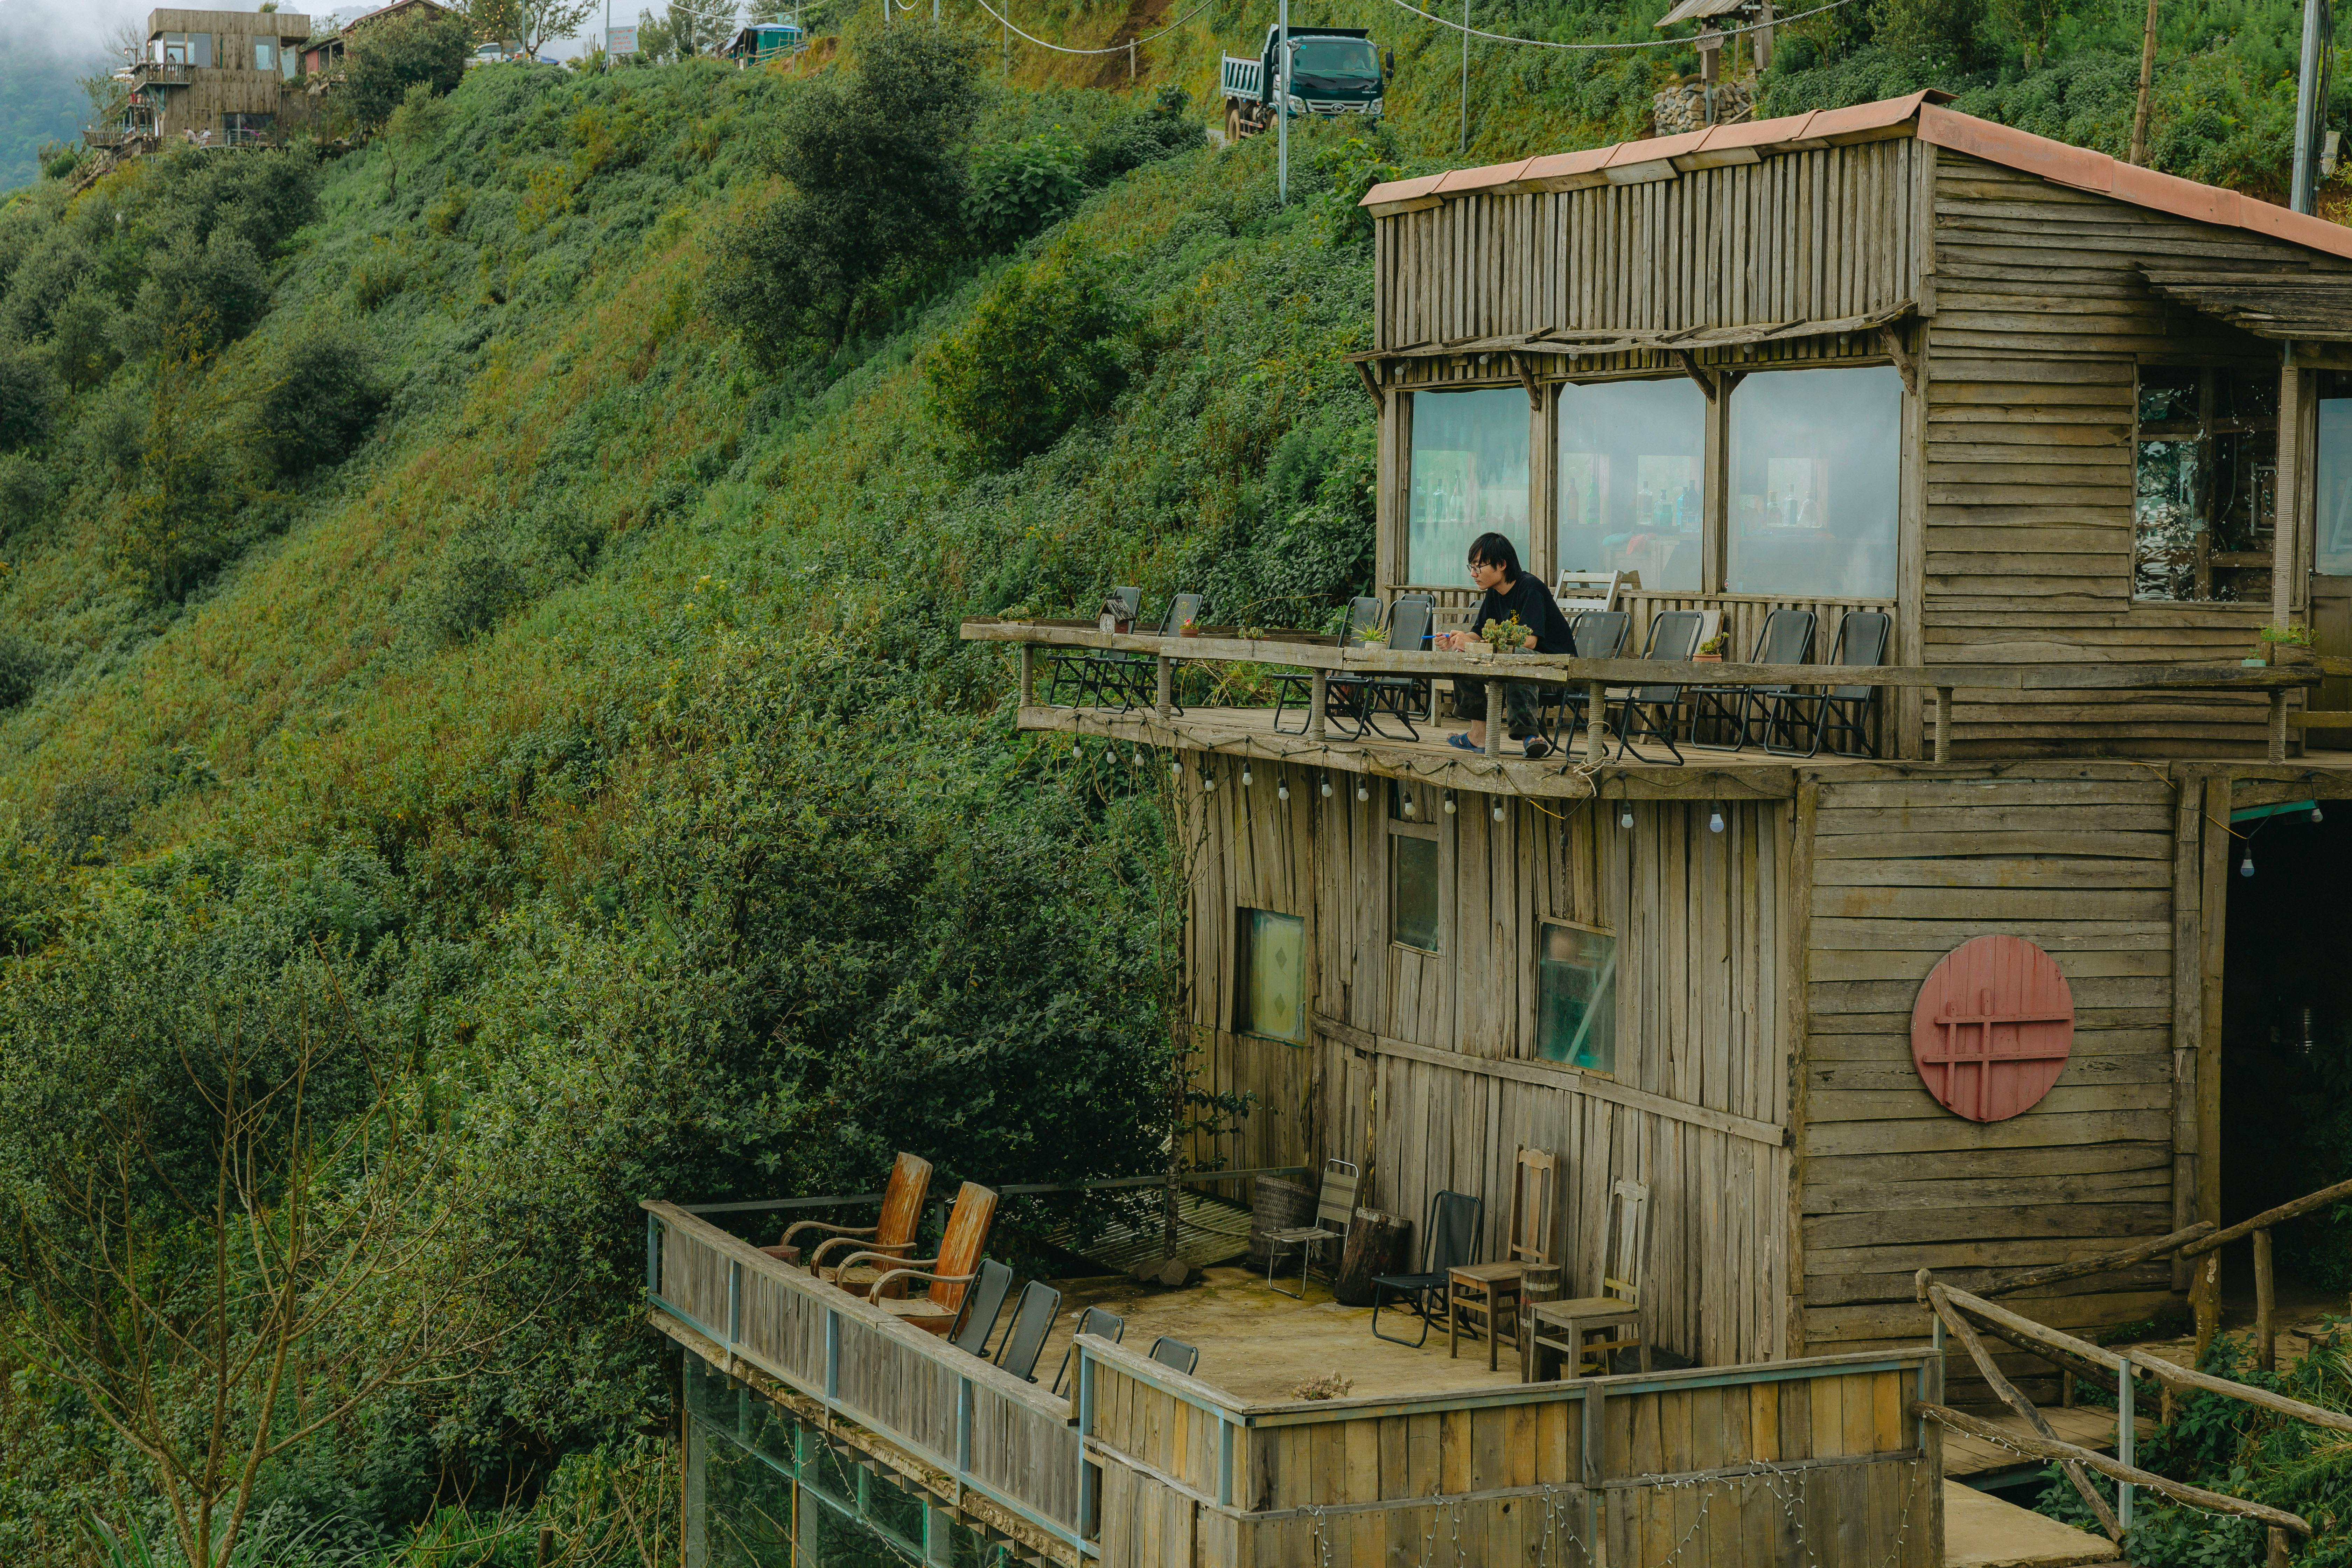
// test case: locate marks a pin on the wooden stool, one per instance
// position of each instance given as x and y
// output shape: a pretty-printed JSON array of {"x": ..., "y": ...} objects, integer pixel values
[{"x": 1481, "y": 1288}]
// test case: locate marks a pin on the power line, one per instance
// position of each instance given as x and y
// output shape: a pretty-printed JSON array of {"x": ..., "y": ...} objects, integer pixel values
[
  {"x": 1115, "y": 48},
  {"x": 1643, "y": 44}
]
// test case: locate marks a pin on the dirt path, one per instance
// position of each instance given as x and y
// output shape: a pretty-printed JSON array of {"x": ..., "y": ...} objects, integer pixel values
[{"x": 1142, "y": 17}]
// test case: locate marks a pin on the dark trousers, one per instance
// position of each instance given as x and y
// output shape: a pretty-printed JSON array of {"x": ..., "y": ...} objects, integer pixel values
[{"x": 1519, "y": 704}]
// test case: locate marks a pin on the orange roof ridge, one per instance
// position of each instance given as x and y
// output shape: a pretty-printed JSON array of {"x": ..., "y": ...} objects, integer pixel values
[{"x": 1922, "y": 114}]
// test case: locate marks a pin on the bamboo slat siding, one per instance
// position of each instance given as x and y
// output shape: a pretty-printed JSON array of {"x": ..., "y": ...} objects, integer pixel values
[
  {"x": 1803, "y": 235},
  {"x": 1903, "y": 872},
  {"x": 2042, "y": 317},
  {"x": 1702, "y": 1042}
]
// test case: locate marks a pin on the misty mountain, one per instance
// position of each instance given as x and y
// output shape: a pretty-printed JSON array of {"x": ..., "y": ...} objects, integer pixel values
[{"x": 40, "y": 101}]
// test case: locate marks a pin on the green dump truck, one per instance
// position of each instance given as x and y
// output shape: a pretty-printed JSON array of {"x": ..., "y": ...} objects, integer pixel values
[{"x": 1333, "y": 70}]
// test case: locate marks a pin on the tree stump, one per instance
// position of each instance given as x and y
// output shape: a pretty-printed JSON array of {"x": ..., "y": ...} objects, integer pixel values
[{"x": 1377, "y": 1243}]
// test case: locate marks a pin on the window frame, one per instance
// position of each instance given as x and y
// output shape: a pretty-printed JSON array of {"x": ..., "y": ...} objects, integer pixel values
[
  {"x": 1615, "y": 971},
  {"x": 2209, "y": 371},
  {"x": 1238, "y": 1013},
  {"x": 1396, "y": 825}
]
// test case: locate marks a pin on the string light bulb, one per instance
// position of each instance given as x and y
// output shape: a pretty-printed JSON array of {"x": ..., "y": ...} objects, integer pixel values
[
  {"x": 1282, "y": 789},
  {"x": 1326, "y": 786},
  {"x": 1715, "y": 819},
  {"x": 1363, "y": 790},
  {"x": 1176, "y": 767},
  {"x": 2315, "y": 813},
  {"x": 1449, "y": 803},
  {"x": 1498, "y": 811},
  {"x": 1208, "y": 780},
  {"x": 1245, "y": 776},
  {"x": 1408, "y": 803},
  {"x": 1135, "y": 758},
  {"x": 1625, "y": 815},
  {"x": 2246, "y": 866}
]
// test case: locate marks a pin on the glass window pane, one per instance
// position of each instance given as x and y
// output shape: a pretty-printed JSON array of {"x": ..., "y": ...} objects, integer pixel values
[
  {"x": 1273, "y": 1000},
  {"x": 2334, "y": 512},
  {"x": 1414, "y": 891},
  {"x": 1576, "y": 1002},
  {"x": 2205, "y": 482},
  {"x": 1632, "y": 479},
  {"x": 1813, "y": 502},
  {"x": 1469, "y": 478}
]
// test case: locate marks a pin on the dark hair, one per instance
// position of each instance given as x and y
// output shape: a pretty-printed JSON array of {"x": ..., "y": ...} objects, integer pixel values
[{"x": 1494, "y": 550}]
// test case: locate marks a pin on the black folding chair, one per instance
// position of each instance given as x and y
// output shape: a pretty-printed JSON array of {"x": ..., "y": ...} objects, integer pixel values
[
  {"x": 1596, "y": 634},
  {"x": 1093, "y": 1321},
  {"x": 1786, "y": 638},
  {"x": 1175, "y": 1352},
  {"x": 1652, "y": 711},
  {"x": 1075, "y": 668},
  {"x": 1450, "y": 1240},
  {"x": 1032, "y": 1321},
  {"x": 1299, "y": 685},
  {"x": 1133, "y": 678},
  {"x": 1845, "y": 711},
  {"x": 983, "y": 1305},
  {"x": 1362, "y": 699}
]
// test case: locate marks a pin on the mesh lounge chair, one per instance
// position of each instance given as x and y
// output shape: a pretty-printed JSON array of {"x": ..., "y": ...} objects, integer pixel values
[
  {"x": 1786, "y": 638},
  {"x": 1132, "y": 679},
  {"x": 1450, "y": 1240},
  {"x": 1596, "y": 634},
  {"x": 1364, "y": 698},
  {"x": 1093, "y": 1321},
  {"x": 984, "y": 1307},
  {"x": 1175, "y": 1352},
  {"x": 1334, "y": 1206},
  {"x": 1032, "y": 1320},
  {"x": 1077, "y": 671},
  {"x": 1650, "y": 710},
  {"x": 1843, "y": 713},
  {"x": 1298, "y": 686}
]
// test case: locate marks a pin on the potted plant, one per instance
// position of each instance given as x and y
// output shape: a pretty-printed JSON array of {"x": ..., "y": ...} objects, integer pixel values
[
  {"x": 1711, "y": 650},
  {"x": 1503, "y": 637},
  {"x": 1191, "y": 628},
  {"x": 2285, "y": 645},
  {"x": 1016, "y": 614}
]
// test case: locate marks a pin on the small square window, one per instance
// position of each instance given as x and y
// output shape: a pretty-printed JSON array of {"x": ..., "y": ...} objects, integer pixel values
[
  {"x": 1576, "y": 1002},
  {"x": 1414, "y": 902},
  {"x": 1270, "y": 976}
]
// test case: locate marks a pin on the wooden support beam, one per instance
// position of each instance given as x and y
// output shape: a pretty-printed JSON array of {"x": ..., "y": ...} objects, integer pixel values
[
  {"x": 1907, "y": 363},
  {"x": 1495, "y": 725},
  {"x": 1372, "y": 388},
  {"x": 1028, "y": 674},
  {"x": 2053, "y": 1448},
  {"x": 1524, "y": 364},
  {"x": 1318, "y": 695},
  {"x": 1164, "y": 694},
  {"x": 2278, "y": 726},
  {"x": 2100, "y": 1263},
  {"x": 2265, "y": 1305},
  {"x": 1943, "y": 724},
  {"x": 2007, "y": 1392},
  {"x": 1596, "y": 713}
]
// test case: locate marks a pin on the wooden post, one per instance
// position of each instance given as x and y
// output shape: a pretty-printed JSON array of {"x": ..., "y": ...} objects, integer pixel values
[
  {"x": 1166, "y": 699},
  {"x": 2265, "y": 1305},
  {"x": 2282, "y": 1549},
  {"x": 1131, "y": 62},
  {"x": 2278, "y": 724},
  {"x": 2205, "y": 1300},
  {"x": 2065, "y": 1391},
  {"x": 1028, "y": 674},
  {"x": 2146, "y": 77},
  {"x": 1595, "y": 708},
  {"x": 1321, "y": 689},
  {"x": 1494, "y": 717},
  {"x": 1943, "y": 724}
]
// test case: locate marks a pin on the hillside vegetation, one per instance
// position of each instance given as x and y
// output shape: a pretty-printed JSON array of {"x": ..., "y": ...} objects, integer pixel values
[{"x": 483, "y": 739}]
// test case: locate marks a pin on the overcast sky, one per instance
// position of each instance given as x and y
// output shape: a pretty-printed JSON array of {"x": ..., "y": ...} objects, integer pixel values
[{"x": 79, "y": 29}]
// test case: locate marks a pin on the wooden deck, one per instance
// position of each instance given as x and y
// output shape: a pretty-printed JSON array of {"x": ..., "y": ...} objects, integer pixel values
[
  {"x": 1983, "y": 1531},
  {"x": 1979, "y": 1463}
]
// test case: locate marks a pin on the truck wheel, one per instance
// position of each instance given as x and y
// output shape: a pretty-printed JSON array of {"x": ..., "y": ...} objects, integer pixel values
[{"x": 1233, "y": 122}]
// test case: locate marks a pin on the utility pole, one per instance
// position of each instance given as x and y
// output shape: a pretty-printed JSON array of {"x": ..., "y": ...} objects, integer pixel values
[
  {"x": 1465, "y": 75},
  {"x": 2146, "y": 75},
  {"x": 1282, "y": 104},
  {"x": 2308, "y": 112}
]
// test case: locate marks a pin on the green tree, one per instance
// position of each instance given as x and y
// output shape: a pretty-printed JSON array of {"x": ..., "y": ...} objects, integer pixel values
[
  {"x": 1040, "y": 354},
  {"x": 391, "y": 57}
]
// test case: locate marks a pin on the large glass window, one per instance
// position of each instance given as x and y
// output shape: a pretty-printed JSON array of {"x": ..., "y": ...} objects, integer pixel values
[
  {"x": 1414, "y": 890},
  {"x": 1469, "y": 478},
  {"x": 1576, "y": 997},
  {"x": 1815, "y": 455},
  {"x": 1270, "y": 976},
  {"x": 2333, "y": 513},
  {"x": 1632, "y": 470},
  {"x": 2206, "y": 482}
]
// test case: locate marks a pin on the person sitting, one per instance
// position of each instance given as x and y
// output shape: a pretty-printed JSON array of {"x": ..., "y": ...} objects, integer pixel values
[{"x": 1510, "y": 595}]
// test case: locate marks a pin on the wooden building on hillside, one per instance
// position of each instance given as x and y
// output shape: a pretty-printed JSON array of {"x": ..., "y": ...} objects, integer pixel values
[{"x": 221, "y": 79}]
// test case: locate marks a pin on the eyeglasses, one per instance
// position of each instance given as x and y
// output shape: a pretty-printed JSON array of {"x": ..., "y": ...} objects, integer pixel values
[{"x": 1479, "y": 566}]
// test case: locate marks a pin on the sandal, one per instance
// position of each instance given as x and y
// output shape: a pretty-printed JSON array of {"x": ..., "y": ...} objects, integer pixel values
[
  {"x": 1538, "y": 747},
  {"x": 1461, "y": 742}
]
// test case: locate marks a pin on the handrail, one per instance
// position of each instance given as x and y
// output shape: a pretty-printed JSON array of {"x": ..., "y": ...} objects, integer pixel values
[{"x": 1006, "y": 1190}]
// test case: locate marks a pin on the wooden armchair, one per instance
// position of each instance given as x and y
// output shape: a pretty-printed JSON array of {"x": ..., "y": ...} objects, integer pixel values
[
  {"x": 892, "y": 1235},
  {"x": 950, "y": 1273}
]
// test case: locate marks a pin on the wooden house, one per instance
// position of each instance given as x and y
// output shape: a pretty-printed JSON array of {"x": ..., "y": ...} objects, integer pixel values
[{"x": 222, "y": 77}]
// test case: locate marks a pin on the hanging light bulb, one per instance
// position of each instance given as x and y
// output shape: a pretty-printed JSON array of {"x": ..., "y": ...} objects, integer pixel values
[
  {"x": 1626, "y": 813},
  {"x": 1408, "y": 803},
  {"x": 1449, "y": 803},
  {"x": 1363, "y": 790},
  {"x": 1175, "y": 767},
  {"x": 1135, "y": 758},
  {"x": 1714, "y": 820},
  {"x": 1326, "y": 786},
  {"x": 1208, "y": 779},
  {"x": 2315, "y": 813},
  {"x": 1498, "y": 811},
  {"x": 1245, "y": 776},
  {"x": 1282, "y": 789},
  {"x": 2246, "y": 866},
  {"x": 1077, "y": 752}
]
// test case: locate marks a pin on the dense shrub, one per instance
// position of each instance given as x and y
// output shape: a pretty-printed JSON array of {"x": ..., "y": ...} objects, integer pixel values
[
  {"x": 195, "y": 297},
  {"x": 28, "y": 396},
  {"x": 23, "y": 662},
  {"x": 1017, "y": 189},
  {"x": 1042, "y": 352},
  {"x": 422, "y": 48},
  {"x": 323, "y": 395}
]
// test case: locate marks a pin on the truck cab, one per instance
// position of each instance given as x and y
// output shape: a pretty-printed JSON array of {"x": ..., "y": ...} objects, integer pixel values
[{"x": 1333, "y": 71}]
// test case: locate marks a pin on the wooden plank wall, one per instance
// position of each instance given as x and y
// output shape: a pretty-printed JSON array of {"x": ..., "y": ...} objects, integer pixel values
[
  {"x": 1904, "y": 870},
  {"x": 2042, "y": 314},
  {"x": 1817, "y": 236}
]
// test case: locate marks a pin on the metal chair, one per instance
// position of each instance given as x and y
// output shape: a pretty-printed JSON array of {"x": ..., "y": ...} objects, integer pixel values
[
  {"x": 1174, "y": 1352},
  {"x": 1298, "y": 686},
  {"x": 1650, "y": 710},
  {"x": 1364, "y": 698},
  {"x": 1842, "y": 711},
  {"x": 1786, "y": 638},
  {"x": 982, "y": 1306},
  {"x": 1597, "y": 633},
  {"x": 1450, "y": 1240},
  {"x": 1093, "y": 1321},
  {"x": 1334, "y": 1206},
  {"x": 1033, "y": 1323},
  {"x": 1076, "y": 667},
  {"x": 1134, "y": 677}
]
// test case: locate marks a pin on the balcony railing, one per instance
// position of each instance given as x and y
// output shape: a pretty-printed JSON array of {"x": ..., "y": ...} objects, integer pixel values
[{"x": 166, "y": 72}]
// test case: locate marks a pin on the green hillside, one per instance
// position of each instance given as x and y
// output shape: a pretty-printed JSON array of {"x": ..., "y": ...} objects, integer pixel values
[
  {"x": 476, "y": 647},
  {"x": 40, "y": 102}
]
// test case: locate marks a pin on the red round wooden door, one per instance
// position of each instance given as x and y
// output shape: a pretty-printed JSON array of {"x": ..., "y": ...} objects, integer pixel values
[{"x": 1993, "y": 1027}]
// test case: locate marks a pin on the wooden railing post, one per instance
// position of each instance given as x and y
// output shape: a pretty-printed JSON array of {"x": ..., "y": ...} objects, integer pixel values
[
  {"x": 1596, "y": 709},
  {"x": 1943, "y": 724},
  {"x": 1028, "y": 674},
  {"x": 1086, "y": 1430},
  {"x": 1224, "y": 1461},
  {"x": 1494, "y": 717},
  {"x": 2278, "y": 724},
  {"x": 2265, "y": 1305},
  {"x": 734, "y": 1307},
  {"x": 1315, "y": 704},
  {"x": 1165, "y": 697},
  {"x": 2124, "y": 1433}
]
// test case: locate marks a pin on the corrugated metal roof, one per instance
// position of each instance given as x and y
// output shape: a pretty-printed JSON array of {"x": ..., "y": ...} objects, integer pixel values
[{"x": 1920, "y": 114}]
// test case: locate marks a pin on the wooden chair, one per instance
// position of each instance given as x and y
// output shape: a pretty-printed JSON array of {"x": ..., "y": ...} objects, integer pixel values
[
  {"x": 1615, "y": 1314},
  {"x": 1334, "y": 1206},
  {"x": 890, "y": 1235},
  {"x": 956, "y": 1266},
  {"x": 1591, "y": 590},
  {"x": 1490, "y": 1292}
]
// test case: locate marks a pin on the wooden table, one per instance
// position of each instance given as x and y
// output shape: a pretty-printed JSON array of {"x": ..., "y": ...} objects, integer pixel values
[
  {"x": 1566, "y": 1322},
  {"x": 1480, "y": 1287}
]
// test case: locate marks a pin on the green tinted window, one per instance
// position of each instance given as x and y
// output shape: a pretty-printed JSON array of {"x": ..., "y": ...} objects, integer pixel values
[
  {"x": 1271, "y": 975},
  {"x": 1414, "y": 891},
  {"x": 1575, "y": 1005},
  {"x": 1469, "y": 478}
]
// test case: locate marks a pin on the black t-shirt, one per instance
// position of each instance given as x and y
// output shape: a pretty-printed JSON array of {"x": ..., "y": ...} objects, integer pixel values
[{"x": 1533, "y": 605}]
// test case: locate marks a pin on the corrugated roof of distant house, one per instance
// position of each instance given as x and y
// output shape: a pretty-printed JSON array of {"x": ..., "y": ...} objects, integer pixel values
[{"x": 1920, "y": 114}]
